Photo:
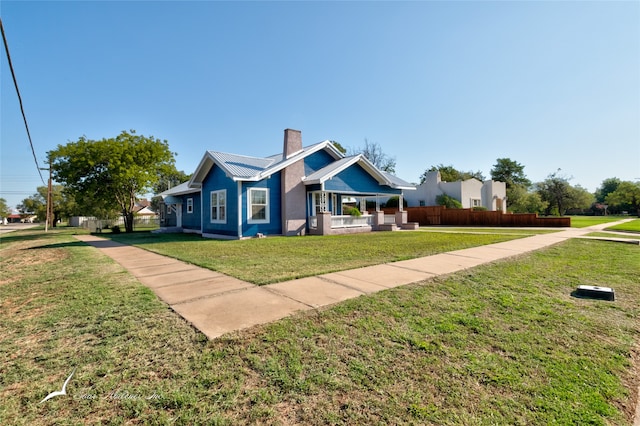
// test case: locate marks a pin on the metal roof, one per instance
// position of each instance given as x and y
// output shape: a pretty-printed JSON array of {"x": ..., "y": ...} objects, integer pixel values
[
  {"x": 328, "y": 171},
  {"x": 240, "y": 166},
  {"x": 336, "y": 167},
  {"x": 396, "y": 182},
  {"x": 183, "y": 188}
]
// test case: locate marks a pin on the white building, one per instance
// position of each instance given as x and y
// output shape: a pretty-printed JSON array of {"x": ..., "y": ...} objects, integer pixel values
[{"x": 471, "y": 193}]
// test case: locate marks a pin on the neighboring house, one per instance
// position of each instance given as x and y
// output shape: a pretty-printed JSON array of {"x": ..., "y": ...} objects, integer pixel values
[
  {"x": 299, "y": 191},
  {"x": 22, "y": 218},
  {"x": 471, "y": 193},
  {"x": 144, "y": 212}
]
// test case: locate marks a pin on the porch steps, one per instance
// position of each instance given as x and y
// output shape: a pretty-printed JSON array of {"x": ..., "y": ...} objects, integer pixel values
[
  {"x": 388, "y": 227},
  {"x": 410, "y": 225}
]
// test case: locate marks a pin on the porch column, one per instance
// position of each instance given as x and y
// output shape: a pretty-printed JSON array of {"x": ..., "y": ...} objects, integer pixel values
[
  {"x": 378, "y": 219},
  {"x": 324, "y": 223},
  {"x": 401, "y": 218}
]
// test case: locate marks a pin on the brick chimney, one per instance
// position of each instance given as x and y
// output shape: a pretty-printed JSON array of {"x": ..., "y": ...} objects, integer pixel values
[
  {"x": 292, "y": 142},
  {"x": 294, "y": 205}
]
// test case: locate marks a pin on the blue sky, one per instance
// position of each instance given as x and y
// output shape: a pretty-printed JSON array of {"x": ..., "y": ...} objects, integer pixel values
[{"x": 548, "y": 84}]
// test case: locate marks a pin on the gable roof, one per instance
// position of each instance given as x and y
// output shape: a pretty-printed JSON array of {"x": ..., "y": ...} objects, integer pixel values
[
  {"x": 181, "y": 189},
  {"x": 246, "y": 168},
  {"x": 336, "y": 167}
]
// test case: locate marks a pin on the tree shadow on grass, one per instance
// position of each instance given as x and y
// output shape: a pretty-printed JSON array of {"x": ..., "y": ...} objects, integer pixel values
[
  {"x": 23, "y": 236},
  {"x": 60, "y": 245}
]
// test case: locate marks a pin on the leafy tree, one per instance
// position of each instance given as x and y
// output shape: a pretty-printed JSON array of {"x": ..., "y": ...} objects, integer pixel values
[
  {"x": 4, "y": 208},
  {"x": 34, "y": 204},
  {"x": 394, "y": 202},
  {"x": 110, "y": 174},
  {"x": 533, "y": 203},
  {"x": 510, "y": 172},
  {"x": 374, "y": 153},
  {"x": 626, "y": 196},
  {"x": 556, "y": 191},
  {"x": 167, "y": 180},
  {"x": 63, "y": 203},
  {"x": 339, "y": 147},
  {"x": 607, "y": 187},
  {"x": 523, "y": 201},
  {"x": 451, "y": 174},
  {"x": 170, "y": 178},
  {"x": 448, "y": 201},
  {"x": 579, "y": 198}
]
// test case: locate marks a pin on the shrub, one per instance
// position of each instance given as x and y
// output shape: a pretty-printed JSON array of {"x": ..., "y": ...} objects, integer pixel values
[
  {"x": 115, "y": 229},
  {"x": 448, "y": 202},
  {"x": 394, "y": 202},
  {"x": 353, "y": 211}
]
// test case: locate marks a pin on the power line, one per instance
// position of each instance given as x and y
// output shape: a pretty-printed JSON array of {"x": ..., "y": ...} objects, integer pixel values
[{"x": 15, "y": 83}]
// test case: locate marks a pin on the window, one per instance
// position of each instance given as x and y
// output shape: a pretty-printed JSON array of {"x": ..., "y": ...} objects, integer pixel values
[
  {"x": 258, "y": 206},
  {"x": 219, "y": 206},
  {"x": 319, "y": 202},
  {"x": 476, "y": 202},
  {"x": 189, "y": 205}
]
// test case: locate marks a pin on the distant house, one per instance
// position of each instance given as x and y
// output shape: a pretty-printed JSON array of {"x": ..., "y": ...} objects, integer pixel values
[
  {"x": 299, "y": 191},
  {"x": 21, "y": 218},
  {"x": 471, "y": 193},
  {"x": 143, "y": 212}
]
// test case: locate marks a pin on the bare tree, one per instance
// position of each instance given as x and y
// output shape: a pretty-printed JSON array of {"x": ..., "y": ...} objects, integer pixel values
[{"x": 373, "y": 152}]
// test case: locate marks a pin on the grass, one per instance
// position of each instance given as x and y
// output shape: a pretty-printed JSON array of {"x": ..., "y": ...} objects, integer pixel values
[
  {"x": 506, "y": 231},
  {"x": 585, "y": 221},
  {"x": 503, "y": 343},
  {"x": 632, "y": 226},
  {"x": 630, "y": 236},
  {"x": 276, "y": 259}
]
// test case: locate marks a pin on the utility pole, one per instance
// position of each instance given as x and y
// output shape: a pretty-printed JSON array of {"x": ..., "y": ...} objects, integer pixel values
[{"x": 49, "y": 220}]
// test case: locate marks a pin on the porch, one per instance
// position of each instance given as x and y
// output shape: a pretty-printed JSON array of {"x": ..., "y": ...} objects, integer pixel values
[{"x": 324, "y": 223}]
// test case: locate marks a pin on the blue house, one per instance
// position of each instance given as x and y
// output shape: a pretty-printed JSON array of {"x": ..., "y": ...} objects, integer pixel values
[{"x": 303, "y": 190}]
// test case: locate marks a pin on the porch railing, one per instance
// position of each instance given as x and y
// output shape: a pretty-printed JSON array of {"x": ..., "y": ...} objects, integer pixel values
[
  {"x": 389, "y": 219},
  {"x": 347, "y": 221}
]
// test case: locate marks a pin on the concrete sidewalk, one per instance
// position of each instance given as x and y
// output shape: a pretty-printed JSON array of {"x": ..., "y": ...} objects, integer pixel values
[{"x": 217, "y": 304}]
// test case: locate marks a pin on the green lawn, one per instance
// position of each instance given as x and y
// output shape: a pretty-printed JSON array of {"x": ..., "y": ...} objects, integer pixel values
[
  {"x": 632, "y": 226},
  {"x": 630, "y": 236},
  {"x": 510, "y": 231},
  {"x": 584, "y": 221},
  {"x": 503, "y": 343},
  {"x": 275, "y": 259}
]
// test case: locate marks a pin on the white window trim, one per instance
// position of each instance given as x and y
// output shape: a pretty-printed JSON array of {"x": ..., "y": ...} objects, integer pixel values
[
  {"x": 189, "y": 205},
  {"x": 250, "y": 205},
  {"x": 320, "y": 205},
  {"x": 216, "y": 220}
]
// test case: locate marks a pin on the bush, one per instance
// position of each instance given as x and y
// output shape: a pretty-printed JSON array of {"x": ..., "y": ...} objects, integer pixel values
[
  {"x": 353, "y": 211},
  {"x": 448, "y": 202},
  {"x": 480, "y": 209},
  {"x": 115, "y": 229},
  {"x": 394, "y": 202}
]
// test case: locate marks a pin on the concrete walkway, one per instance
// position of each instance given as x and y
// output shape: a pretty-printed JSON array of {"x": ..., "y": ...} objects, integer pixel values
[{"x": 217, "y": 304}]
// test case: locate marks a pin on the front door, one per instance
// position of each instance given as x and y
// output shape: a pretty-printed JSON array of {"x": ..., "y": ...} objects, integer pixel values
[{"x": 179, "y": 215}]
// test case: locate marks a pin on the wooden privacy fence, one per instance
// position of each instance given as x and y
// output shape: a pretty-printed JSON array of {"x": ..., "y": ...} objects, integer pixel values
[{"x": 440, "y": 215}]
